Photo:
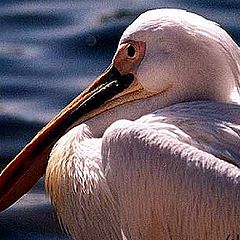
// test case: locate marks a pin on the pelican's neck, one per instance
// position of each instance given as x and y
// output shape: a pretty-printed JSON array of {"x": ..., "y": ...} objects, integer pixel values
[
  {"x": 76, "y": 185},
  {"x": 129, "y": 111}
]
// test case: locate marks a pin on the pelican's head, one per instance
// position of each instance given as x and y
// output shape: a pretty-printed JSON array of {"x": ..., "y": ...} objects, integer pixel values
[
  {"x": 164, "y": 57},
  {"x": 181, "y": 54}
]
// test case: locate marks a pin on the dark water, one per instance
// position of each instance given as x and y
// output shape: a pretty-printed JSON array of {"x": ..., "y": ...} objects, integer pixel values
[{"x": 49, "y": 52}]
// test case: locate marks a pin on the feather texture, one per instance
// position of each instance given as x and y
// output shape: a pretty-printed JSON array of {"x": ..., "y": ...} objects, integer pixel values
[{"x": 169, "y": 174}]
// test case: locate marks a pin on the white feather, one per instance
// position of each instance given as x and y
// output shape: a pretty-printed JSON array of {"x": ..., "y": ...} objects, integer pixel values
[{"x": 175, "y": 173}]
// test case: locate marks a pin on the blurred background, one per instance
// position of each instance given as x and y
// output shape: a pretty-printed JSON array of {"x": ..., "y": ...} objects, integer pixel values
[{"x": 49, "y": 52}]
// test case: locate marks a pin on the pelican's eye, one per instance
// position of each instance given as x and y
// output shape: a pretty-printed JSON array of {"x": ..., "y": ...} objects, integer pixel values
[{"x": 131, "y": 51}]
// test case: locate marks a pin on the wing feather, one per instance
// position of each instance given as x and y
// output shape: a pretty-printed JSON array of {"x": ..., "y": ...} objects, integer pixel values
[{"x": 175, "y": 173}]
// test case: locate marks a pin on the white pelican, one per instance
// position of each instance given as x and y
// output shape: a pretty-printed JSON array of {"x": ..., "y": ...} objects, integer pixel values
[{"x": 171, "y": 174}]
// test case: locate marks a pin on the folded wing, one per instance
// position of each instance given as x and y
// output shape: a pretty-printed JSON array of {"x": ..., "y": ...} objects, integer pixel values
[{"x": 175, "y": 173}]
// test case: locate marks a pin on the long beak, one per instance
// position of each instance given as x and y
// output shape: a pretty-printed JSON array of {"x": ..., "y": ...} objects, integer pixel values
[{"x": 30, "y": 164}]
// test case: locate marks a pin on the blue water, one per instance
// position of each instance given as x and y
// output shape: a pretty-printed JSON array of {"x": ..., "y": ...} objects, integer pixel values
[{"x": 49, "y": 52}]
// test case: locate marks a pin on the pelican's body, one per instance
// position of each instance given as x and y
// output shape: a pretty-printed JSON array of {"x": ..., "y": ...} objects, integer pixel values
[
  {"x": 173, "y": 174},
  {"x": 170, "y": 168}
]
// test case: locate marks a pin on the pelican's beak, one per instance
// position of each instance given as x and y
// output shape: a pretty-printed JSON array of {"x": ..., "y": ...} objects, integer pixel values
[{"x": 30, "y": 164}]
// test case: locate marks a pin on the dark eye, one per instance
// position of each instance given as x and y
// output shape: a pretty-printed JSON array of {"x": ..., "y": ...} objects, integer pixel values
[{"x": 131, "y": 51}]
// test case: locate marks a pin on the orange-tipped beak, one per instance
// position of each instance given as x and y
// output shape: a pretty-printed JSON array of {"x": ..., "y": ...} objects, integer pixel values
[{"x": 30, "y": 164}]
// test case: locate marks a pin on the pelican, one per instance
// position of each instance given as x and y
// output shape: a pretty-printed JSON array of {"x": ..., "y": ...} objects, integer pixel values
[{"x": 150, "y": 150}]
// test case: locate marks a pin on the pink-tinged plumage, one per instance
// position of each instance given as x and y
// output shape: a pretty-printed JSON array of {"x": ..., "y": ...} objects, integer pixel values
[{"x": 158, "y": 159}]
